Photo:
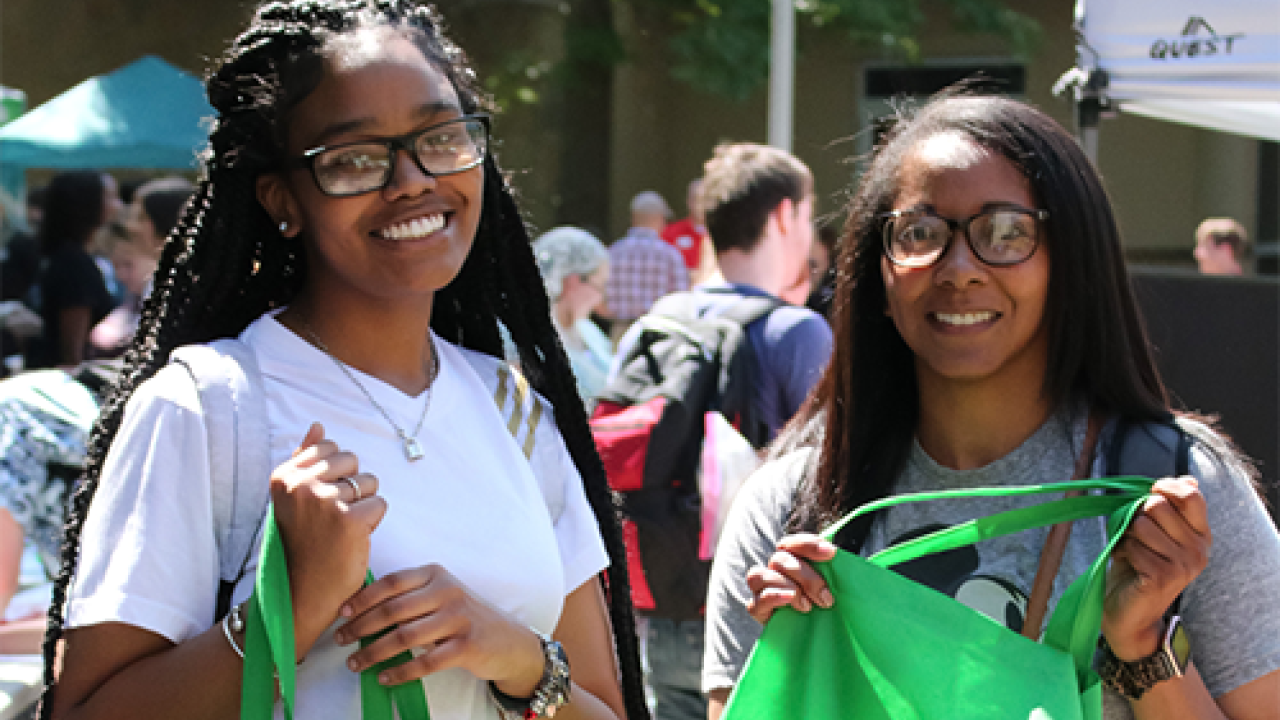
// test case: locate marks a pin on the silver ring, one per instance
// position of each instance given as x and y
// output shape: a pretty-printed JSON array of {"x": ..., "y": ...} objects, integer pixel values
[{"x": 354, "y": 486}]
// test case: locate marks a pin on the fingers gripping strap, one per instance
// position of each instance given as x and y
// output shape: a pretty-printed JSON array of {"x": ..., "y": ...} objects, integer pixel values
[{"x": 270, "y": 650}]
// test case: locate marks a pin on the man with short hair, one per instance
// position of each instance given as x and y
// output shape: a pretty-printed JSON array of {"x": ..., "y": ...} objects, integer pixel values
[
  {"x": 643, "y": 268},
  {"x": 1221, "y": 246},
  {"x": 758, "y": 205}
]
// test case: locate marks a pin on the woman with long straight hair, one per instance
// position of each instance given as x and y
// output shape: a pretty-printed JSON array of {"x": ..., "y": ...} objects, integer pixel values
[{"x": 986, "y": 334}]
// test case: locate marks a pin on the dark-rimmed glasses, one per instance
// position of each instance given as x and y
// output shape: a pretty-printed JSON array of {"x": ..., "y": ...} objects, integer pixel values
[
  {"x": 361, "y": 167},
  {"x": 999, "y": 236}
]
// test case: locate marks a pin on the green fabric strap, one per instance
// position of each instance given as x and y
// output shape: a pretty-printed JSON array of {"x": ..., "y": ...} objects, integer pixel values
[
  {"x": 893, "y": 649},
  {"x": 1077, "y": 618},
  {"x": 269, "y": 650}
]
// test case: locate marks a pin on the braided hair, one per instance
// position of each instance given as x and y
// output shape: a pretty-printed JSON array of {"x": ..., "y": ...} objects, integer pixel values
[{"x": 225, "y": 264}]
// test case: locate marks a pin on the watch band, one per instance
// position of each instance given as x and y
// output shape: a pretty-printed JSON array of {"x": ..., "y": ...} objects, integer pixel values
[
  {"x": 551, "y": 692},
  {"x": 1133, "y": 679}
]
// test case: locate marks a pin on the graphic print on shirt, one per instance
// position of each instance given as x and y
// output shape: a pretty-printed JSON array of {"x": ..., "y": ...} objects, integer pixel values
[{"x": 952, "y": 574}]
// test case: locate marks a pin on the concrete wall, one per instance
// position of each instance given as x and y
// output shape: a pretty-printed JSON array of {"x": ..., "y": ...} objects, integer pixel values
[{"x": 47, "y": 46}]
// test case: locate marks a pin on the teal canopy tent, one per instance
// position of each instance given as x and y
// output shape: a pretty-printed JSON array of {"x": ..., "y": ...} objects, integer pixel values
[
  {"x": 13, "y": 102},
  {"x": 147, "y": 114}
]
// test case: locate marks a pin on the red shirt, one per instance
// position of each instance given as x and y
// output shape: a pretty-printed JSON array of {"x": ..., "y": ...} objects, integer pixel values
[{"x": 686, "y": 237}]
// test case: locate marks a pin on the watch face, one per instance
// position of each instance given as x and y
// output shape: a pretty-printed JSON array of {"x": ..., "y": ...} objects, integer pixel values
[{"x": 1178, "y": 643}]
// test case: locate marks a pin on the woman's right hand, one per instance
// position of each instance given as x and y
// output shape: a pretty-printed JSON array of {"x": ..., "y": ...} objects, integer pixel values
[
  {"x": 325, "y": 527},
  {"x": 788, "y": 579}
]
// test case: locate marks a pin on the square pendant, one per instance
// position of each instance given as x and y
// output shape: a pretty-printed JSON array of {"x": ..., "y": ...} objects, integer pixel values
[{"x": 412, "y": 449}]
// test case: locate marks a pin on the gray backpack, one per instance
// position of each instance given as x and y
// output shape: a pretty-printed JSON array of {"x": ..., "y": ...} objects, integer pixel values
[{"x": 235, "y": 414}]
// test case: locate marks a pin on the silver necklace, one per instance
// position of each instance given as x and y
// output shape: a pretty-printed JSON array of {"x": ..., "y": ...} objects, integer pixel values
[{"x": 412, "y": 448}]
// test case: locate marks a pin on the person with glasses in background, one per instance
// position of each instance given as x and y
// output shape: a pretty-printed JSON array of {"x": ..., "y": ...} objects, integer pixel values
[
  {"x": 985, "y": 329},
  {"x": 575, "y": 267},
  {"x": 353, "y": 230}
]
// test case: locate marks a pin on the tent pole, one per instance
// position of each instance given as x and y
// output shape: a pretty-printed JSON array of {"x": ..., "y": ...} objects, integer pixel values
[
  {"x": 782, "y": 73},
  {"x": 1088, "y": 112}
]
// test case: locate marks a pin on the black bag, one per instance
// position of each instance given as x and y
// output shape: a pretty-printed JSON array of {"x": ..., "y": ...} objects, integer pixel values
[{"x": 648, "y": 427}]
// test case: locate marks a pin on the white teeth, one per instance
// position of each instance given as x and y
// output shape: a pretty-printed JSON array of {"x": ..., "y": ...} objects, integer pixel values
[
  {"x": 972, "y": 318},
  {"x": 417, "y": 228}
]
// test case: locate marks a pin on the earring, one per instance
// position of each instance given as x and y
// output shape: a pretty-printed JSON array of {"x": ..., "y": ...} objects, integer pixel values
[{"x": 284, "y": 226}]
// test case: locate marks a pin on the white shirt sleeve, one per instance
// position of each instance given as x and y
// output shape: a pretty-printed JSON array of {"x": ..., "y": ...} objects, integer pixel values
[
  {"x": 582, "y": 551},
  {"x": 148, "y": 553}
]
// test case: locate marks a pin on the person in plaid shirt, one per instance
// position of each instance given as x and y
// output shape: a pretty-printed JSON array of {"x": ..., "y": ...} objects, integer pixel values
[{"x": 643, "y": 267}]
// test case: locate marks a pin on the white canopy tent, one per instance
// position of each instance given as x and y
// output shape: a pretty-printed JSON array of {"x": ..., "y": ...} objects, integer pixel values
[{"x": 1209, "y": 63}]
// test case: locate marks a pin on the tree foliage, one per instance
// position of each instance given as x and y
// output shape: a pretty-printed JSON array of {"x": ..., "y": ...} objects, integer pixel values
[{"x": 722, "y": 46}]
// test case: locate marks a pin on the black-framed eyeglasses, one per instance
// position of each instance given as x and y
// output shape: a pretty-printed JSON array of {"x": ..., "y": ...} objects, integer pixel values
[
  {"x": 361, "y": 167},
  {"x": 999, "y": 236}
]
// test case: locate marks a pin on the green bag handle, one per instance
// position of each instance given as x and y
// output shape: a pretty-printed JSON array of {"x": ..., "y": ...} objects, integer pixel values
[
  {"x": 269, "y": 650},
  {"x": 1077, "y": 619}
]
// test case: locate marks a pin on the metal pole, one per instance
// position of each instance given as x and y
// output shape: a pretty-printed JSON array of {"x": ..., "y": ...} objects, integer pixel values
[
  {"x": 782, "y": 73},
  {"x": 1088, "y": 113}
]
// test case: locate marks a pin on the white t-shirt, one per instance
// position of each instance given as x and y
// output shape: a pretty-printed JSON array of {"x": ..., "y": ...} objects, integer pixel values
[{"x": 519, "y": 533}]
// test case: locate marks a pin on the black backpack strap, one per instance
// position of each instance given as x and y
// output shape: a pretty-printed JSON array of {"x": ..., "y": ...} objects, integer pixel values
[{"x": 1150, "y": 449}]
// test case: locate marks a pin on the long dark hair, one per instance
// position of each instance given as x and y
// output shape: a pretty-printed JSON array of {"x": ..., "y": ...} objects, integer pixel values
[
  {"x": 226, "y": 264},
  {"x": 164, "y": 209},
  {"x": 864, "y": 411},
  {"x": 74, "y": 206}
]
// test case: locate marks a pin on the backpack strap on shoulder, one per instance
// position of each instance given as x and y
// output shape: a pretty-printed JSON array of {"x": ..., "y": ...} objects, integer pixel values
[
  {"x": 229, "y": 384},
  {"x": 1150, "y": 449}
]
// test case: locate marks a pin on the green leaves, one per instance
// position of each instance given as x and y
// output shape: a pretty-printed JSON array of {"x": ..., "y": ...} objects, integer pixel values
[{"x": 722, "y": 46}]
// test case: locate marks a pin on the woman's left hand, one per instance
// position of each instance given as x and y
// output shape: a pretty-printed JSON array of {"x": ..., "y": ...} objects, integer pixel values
[
  {"x": 1165, "y": 548},
  {"x": 428, "y": 611}
]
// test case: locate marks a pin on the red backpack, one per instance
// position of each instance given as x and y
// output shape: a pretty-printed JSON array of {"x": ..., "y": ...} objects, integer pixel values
[{"x": 648, "y": 427}]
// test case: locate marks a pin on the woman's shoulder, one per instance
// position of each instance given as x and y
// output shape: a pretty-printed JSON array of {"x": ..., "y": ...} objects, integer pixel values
[
  {"x": 1228, "y": 480},
  {"x": 170, "y": 389},
  {"x": 527, "y": 415},
  {"x": 594, "y": 337},
  {"x": 1213, "y": 455},
  {"x": 774, "y": 484},
  {"x": 505, "y": 381}
]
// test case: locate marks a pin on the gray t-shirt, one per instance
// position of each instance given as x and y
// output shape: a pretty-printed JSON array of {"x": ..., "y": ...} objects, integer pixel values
[{"x": 1230, "y": 610}]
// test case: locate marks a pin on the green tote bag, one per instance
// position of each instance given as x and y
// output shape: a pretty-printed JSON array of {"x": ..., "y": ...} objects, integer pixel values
[
  {"x": 269, "y": 651},
  {"x": 893, "y": 649}
]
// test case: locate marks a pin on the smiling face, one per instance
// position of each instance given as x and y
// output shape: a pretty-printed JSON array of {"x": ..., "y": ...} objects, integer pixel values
[
  {"x": 964, "y": 320},
  {"x": 406, "y": 240}
]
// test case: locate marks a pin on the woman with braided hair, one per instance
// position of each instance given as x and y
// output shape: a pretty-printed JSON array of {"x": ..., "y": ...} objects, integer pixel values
[{"x": 354, "y": 232}]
